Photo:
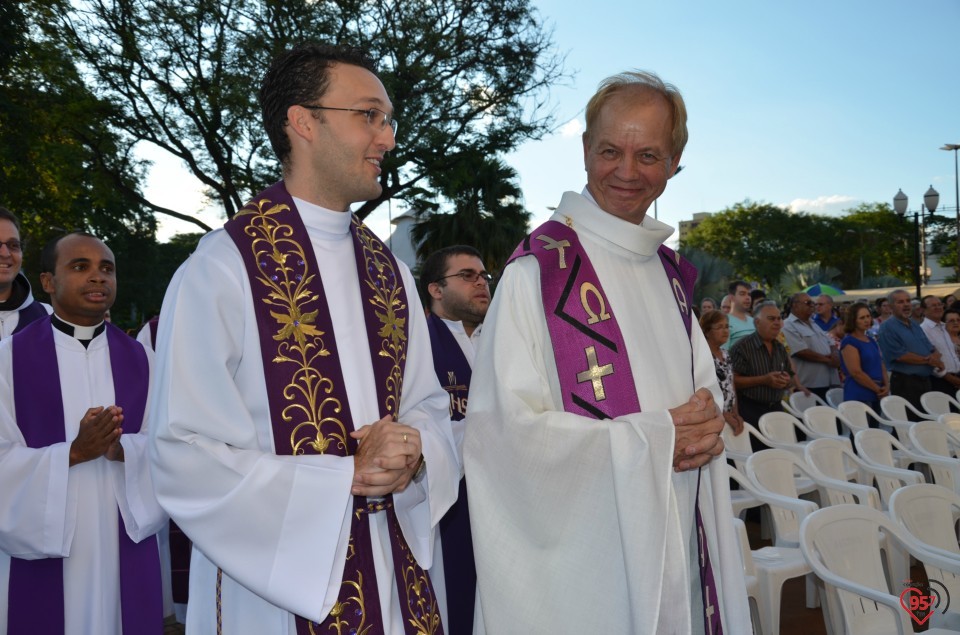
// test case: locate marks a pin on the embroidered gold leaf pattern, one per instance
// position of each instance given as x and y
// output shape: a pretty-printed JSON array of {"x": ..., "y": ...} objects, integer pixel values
[
  {"x": 284, "y": 269},
  {"x": 384, "y": 281}
]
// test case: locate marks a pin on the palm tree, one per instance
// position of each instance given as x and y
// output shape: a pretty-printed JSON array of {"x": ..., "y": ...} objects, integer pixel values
[{"x": 481, "y": 206}]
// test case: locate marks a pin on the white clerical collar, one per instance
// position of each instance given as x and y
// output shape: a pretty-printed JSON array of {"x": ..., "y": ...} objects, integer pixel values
[
  {"x": 582, "y": 210},
  {"x": 457, "y": 326},
  {"x": 82, "y": 333},
  {"x": 322, "y": 218}
]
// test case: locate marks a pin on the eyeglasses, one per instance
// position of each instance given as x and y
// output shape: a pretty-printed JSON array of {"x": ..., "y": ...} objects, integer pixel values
[
  {"x": 469, "y": 276},
  {"x": 375, "y": 117},
  {"x": 809, "y": 303},
  {"x": 14, "y": 245}
]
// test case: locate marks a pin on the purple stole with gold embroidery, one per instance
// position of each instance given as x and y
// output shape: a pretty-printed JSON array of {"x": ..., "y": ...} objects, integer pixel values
[
  {"x": 592, "y": 362},
  {"x": 307, "y": 397},
  {"x": 456, "y": 540},
  {"x": 36, "y": 586}
]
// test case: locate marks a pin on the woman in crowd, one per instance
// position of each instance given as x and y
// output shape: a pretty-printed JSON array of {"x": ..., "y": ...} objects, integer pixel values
[
  {"x": 717, "y": 331},
  {"x": 951, "y": 318},
  {"x": 707, "y": 304},
  {"x": 860, "y": 360}
]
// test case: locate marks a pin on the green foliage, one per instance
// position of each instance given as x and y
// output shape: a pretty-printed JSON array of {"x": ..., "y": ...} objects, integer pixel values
[
  {"x": 775, "y": 247},
  {"x": 479, "y": 204},
  {"x": 465, "y": 76}
]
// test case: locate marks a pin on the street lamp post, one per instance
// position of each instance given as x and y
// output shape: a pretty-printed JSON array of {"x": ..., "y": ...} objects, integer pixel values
[
  {"x": 956, "y": 189},
  {"x": 930, "y": 201}
]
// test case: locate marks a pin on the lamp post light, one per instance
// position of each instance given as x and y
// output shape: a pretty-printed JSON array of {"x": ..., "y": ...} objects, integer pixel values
[
  {"x": 930, "y": 201},
  {"x": 956, "y": 189}
]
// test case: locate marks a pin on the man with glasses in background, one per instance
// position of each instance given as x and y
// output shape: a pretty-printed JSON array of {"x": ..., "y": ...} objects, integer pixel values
[
  {"x": 303, "y": 442},
  {"x": 17, "y": 305},
  {"x": 456, "y": 289},
  {"x": 816, "y": 358}
]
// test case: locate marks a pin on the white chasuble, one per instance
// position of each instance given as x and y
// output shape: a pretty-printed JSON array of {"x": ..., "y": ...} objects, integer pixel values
[{"x": 581, "y": 525}]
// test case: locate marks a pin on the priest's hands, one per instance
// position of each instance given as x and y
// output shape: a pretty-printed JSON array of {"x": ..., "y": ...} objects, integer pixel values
[
  {"x": 386, "y": 459},
  {"x": 697, "y": 426},
  {"x": 99, "y": 435}
]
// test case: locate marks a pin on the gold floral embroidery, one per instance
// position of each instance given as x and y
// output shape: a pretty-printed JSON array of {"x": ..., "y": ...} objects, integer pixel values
[
  {"x": 421, "y": 603},
  {"x": 341, "y": 610},
  {"x": 384, "y": 281},
  {"x": 284, "y": 269}
]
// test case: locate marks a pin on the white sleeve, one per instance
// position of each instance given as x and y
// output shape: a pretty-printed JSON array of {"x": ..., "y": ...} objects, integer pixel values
[
  {"x": 37, "y": 511},
  {"x": 133, "y": 483}
]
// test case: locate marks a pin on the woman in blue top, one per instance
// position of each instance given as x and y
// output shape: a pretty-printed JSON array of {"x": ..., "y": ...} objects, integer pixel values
[{"x": 860, "y": 359}]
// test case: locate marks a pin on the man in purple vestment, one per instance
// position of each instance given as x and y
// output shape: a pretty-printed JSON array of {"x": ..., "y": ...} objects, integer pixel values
[
  {"x": 302, "y": 440},
  {"x": 456, "y": 287},
  {"x": 79, "y": 552}
]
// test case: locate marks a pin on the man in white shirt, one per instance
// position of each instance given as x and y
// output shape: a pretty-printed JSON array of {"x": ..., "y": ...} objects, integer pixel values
[
  {"x": 78, "y": 508},
  {"x": 457, "y": 289},
  {"x": 593, "y": 404},
  {"x": 303, "y": 442},
  {"x": 946, "y": 380},
  {"x": 814, "y": 354}
]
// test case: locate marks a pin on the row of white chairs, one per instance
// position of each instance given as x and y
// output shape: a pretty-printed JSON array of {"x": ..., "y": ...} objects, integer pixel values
[
  {"x": 769, "y": 481},
  {"x": 861, "y": 597}
]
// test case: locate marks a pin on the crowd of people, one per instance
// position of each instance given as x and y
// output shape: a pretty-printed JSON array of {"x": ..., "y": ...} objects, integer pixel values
[{"x": 899, "y": 346}]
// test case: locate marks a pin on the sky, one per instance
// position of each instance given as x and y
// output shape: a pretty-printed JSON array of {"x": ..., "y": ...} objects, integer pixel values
[{"x": 815, "y": 105}]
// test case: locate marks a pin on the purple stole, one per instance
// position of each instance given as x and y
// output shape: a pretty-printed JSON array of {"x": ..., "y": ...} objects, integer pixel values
[
  {"x": 456, "y": 542},
  {"x": 32, "y": 313},
  {"x": 36, "y": 586},
  {"x": 591, "y": 357},
  {"x": 307, "y": 397}
]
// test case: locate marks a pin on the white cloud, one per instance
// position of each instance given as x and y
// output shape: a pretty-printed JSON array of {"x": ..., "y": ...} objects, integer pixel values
[
  {"x": 823, "y": 204},
  {"x": 572, "y": 128}
]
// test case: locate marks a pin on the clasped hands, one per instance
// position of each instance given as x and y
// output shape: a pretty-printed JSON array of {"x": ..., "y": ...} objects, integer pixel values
[
  {"x": 99, "y": 435},
  {"x": 387, "y": 457},
  {"x": 697, "y": 426}
]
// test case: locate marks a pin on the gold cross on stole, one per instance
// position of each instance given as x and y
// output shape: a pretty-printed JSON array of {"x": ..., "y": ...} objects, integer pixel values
[{"x": 595, "y": 373}]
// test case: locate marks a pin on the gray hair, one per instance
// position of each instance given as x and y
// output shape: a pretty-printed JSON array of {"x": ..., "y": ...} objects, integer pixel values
[{"x": 760, "y": 306}]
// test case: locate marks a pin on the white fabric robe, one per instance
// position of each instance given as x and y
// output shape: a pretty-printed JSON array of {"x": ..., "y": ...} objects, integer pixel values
[
  {"x": 10, "y": 319},
  {"x": 55, "y": 510},
  {"x": 579, "y": 525},
  {"x": 278, "y": 526}
]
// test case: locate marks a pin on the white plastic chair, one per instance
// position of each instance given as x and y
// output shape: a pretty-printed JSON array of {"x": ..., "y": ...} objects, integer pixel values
[
  {"x": 773, "y": 470},
  {"x": 799, "y": 402},
  {"x": 765, "y": 570},
  {"x": 834, "y": 397},
  {"x": 934, "y": 438},
  {"x": 930, "y": 513},
  {"x": 938, "y": 403},
  {"x": 951, "y": 420},
  {"x": 832, "y": 541},
  {"x": 822, "y": 422},
  {"x": 896, "y": 408},
  {"x": 781, "y": 429},
  {"x": 786, "y": 513},
  {"x": 834, "y": 458},
  {"x": 857, "y": 417},
  {"x": 877, "y": 446}
]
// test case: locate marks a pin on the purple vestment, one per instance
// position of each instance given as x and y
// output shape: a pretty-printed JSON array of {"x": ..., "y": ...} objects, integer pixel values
[{"x": 36, "y": 586}]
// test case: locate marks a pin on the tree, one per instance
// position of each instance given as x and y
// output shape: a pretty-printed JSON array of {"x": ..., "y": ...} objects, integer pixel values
[
  {"x": 479, "y": 205},
  {"x": 875, "y": 233},
  {"x": 464, "y": 75},
  {"x": 713, "y": 275},
  {"x": 55, "y": 147},
  {"x": 760, "y": 240}
]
